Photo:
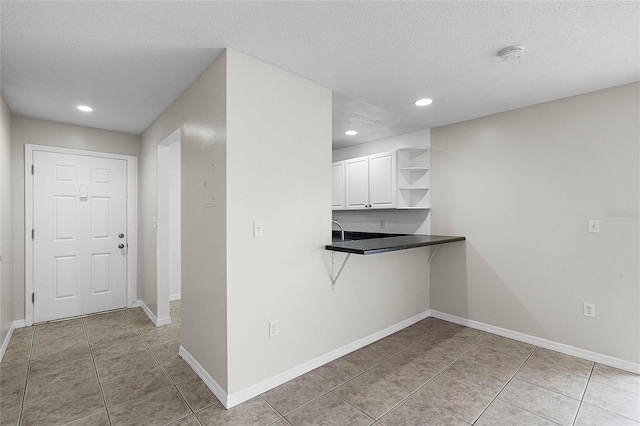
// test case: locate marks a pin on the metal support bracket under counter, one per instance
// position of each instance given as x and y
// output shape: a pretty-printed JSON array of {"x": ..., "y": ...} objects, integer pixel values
[{"x": 365, "y": 243}]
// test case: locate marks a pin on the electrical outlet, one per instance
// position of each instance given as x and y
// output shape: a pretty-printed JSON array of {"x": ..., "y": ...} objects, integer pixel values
[
  {"x": 273, "y": 328},
  {"x": 594, "y": 226},
  {"x": 589, "y": 310}
]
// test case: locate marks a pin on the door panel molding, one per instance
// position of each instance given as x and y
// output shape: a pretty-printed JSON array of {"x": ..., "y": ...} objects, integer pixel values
[{"x": 132, "y": 223}]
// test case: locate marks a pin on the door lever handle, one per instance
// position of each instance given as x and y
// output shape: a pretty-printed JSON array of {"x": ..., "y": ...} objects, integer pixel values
[{"x": 120, "y": 246}]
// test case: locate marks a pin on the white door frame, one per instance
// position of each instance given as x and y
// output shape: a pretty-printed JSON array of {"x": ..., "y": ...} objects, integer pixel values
[
  {"x": 165, "y": 242},
  {"x": 132, "y": 222}
]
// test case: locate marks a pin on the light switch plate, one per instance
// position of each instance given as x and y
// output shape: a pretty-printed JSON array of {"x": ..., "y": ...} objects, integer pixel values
[
  {"x": 258, "y": 228},
  {"x": 594, "y": 226}
]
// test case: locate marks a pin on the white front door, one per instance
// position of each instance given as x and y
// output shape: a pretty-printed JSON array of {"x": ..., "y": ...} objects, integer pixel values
[{"x": 80, "y": 235}]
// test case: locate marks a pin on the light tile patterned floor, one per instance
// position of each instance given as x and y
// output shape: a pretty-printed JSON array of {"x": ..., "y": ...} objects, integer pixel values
[{"x": 119, "y": 369}]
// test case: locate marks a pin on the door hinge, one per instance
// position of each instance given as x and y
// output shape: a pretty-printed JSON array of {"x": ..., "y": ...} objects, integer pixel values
[
  {"x": 33, "y": 298},
  {"x": 32, "y": 167},
  {"x": 33, "y": 234}
]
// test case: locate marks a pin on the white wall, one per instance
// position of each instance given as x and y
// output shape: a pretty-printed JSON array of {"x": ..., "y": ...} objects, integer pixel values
[
  {"x": 40, "y": 132},
  {"x": 278, "y": 159},
  {"x": 200, "y": 113},
  {"x": 521, "y": 186},
  {"x": 396, "y": 221},
  {"x": 6, "y": 226}
]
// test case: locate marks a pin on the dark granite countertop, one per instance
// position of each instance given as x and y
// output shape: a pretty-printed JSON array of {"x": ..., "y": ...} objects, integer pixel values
[{"x": 372, "y": 243}]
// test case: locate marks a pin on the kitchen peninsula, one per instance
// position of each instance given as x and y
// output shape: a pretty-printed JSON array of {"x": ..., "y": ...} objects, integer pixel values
[{"x": 366, "y": 243}]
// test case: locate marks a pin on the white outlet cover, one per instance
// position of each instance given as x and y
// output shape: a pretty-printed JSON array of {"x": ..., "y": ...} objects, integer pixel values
[{"x": 594, "y": 226}]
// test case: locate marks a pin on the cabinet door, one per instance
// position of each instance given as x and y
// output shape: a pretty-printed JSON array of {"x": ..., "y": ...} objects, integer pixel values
[
  {"x": 357, "y": 183},
  {"x": 337, "y": 186},
  {"x": 382, "y": 180}
]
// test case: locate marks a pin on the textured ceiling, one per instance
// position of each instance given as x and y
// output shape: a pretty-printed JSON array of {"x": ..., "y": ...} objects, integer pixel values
[{"x": 130, "y": 60}]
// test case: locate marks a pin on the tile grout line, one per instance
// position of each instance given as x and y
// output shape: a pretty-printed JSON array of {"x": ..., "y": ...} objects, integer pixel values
[
  {"x": 95, "y": 367},
  {"x": 26, "y": 377},
  {"x": 584, "y": 392},
  {"x": 507, "y": 384}
]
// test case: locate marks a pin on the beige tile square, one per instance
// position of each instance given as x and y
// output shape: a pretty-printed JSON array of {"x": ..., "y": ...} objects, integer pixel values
[
  {"x": 555, "y": 379},
  {"x": 135, "y": 314},
  {"x": 191, "y": 420},
  {"x": 197, "y": 394},
  {"x": 58, "y": 330},
  {"x": 416, "y": 412},
  {"x": 115, "y": 317},
  {"x": 156, "y": 408},
  {"x": 47, "y": 385},
  {"x": 493, "y": 378},
  {"x": 136, "y": 385},
  {"x": 143, "y": 325},
  {"x": 328, "y": 410},
  {"x": 46, "y": 348},
  {"x": 371, "y": 394},
  {"x": 618, "y": 401},
  {"x": 64, "y": 407},
  {"x": 64, "y": 360},
  {"x": 293, "y": 394},
  {"x": 10, "y": 407},
  {"x": 254, "y": 412},
  {"x": 162, "y": 335},
  {"x": 118, "y": 348},
  {"x": 616, "y": 378},
  {"x": 179, "y": 371},
  {"x": 577, "y": 366},
  {"x": 16, "y": 354},
  {"x": 105, "y": 334},
  {"x": 166, "y": 353},
  {"x": 542, "y": 402},
  {"x": 589, "y": 415},
  {"x": 12, "y": 374},
  {"x": 98, "y": 419},
  {"x": 501, "y": 413},
  {"x": 463, "y": 400},
  {"x": 124, "y": 365},
  {"x": 453, "y": 345},
  {"x": 335, "y": 373},
  {"x": 22, "y": 337},
  {"x": 507, "y": 345},
  {"x": 492, "y": 357},
  {"x": 377, "y": 352},
  {"x": 411, "y": 369}
]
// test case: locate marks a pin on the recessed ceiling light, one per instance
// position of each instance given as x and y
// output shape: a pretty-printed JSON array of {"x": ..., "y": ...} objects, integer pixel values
[
  {"x": 350, "y": 133},
  {"x": 84, "y": 108},
  {"x": 423, "y": 102}
]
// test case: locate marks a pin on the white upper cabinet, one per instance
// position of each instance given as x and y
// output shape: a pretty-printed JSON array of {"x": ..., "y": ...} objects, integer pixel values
[
  {"x": 357, "y": 183},
  {"x": 371, "y": 182},
  {"x": 337, "y": 186},
  {"x": 382, "y": 180}
]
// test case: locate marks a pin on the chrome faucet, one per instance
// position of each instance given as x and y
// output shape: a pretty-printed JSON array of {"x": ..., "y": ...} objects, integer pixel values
[{"x": 339, "y": 226}]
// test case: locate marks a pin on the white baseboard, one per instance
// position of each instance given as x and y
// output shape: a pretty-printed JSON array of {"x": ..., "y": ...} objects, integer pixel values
[
  {"x": 135, "y": 304},
  {"x": 237, "y": 398},
  {"x": 7, "y": 338},
  {"x": 206, "y": 378},
  {"x": 544, "y": 343},
  {"x": 174, "y": 297},
  {"x": 159, "y": 322}
]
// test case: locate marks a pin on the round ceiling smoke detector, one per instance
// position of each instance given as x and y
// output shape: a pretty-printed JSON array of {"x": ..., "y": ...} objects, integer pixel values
[{"x": 512, "y": 52}]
